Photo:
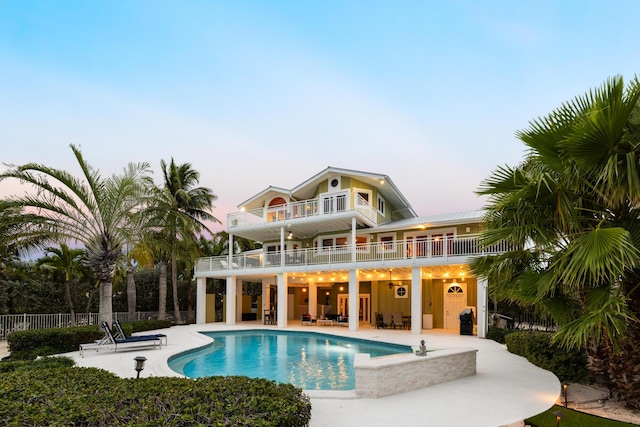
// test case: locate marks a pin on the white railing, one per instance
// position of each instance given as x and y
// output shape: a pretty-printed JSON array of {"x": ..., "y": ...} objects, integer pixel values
[
  {"x": 28, "y": 321},
  {"x": 298, "y": 210},
  {"x": 447, "y": 247}
]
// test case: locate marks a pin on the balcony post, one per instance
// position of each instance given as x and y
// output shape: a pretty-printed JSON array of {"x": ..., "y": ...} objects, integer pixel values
[
  {"x": 313, "y": 298},
  {"x": 282, "y": 300},
  {"x": 354, "y": 300},
  {"x": 416, "y": 300},
  {"x": 201, "y": 300},
  {"x": 232, "y": 291},
  {"x": 230, "y": 260},
  {"x": 482, "y": 316},
  {"x": 281, "y": 246},
  {"x": 353, "y": 239}
]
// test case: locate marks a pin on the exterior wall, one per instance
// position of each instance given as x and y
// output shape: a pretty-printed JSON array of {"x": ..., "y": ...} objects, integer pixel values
[{"x": 384, "y": 376}]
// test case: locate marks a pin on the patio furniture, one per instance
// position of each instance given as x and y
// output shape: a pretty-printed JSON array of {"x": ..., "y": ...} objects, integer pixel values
[
  {"x": 306, "y": 319},
  {"x": 387, "y": 320},
  {"x": 397, "y": 320},
  {"x": 324, "y": 322},
  {"x": 120, "y": 334}
]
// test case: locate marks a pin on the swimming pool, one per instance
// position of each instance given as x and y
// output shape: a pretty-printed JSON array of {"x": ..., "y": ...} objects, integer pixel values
[{"x": 311, "y": 361}]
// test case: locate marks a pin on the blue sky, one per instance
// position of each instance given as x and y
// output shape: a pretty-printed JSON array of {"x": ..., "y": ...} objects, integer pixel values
[{"x": 259, "y": 93}]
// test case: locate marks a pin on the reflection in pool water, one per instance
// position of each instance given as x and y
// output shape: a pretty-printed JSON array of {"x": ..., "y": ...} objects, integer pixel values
[{"x": 311, "y": 361}]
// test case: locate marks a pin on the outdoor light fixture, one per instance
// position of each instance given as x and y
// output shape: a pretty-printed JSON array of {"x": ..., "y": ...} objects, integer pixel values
[
  {"x": 139, "y": 366},
  {"x": 559, "y": 415},
  {"x": 290, "y": 236},
  {"x": 390, "y": 281},
  {"x": 564, "y": 392}
]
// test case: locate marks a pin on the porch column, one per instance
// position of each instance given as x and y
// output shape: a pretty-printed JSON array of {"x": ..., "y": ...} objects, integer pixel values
[
  {"x": 282, "y": 300},
  {"x": 282, "y": 246},
  {"x": 416, "y": 300},
  {"x": 238, "y": 300},
  {"x": 354, "y": 300},
  {"x": 313, "y": 299},
  {"x": 231, "y": 300},
  {"x": 353, "y": 239},
  {"x": 482, "y": 306},
  {"x": 201, "y": 300},
  {"x": 230, "y": 248}
]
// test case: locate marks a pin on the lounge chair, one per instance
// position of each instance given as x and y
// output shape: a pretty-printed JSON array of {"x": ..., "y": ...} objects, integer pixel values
[
  {"x": 120, "y": 334},
  {"x": 343, "y": 321},
  {"x": 110, "y": 341}
]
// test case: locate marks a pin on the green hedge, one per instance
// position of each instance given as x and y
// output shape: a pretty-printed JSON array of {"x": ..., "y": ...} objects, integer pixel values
[
  {"x": 27, "y": 345},
  {"x": 567, "y": 365},
  {"x": 498, "y": 334},
  {"x": 93, "y": 397}
]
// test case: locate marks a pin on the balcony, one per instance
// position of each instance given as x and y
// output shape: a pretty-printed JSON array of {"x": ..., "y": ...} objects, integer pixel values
[
  {"x": 412, "y": 252},
  {"x": 334, "y": 210}
]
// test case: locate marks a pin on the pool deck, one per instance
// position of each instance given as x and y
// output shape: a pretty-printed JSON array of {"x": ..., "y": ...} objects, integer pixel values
[{"x": 505, "y": 390}]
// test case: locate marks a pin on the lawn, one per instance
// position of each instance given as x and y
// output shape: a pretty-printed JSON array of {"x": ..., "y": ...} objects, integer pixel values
[{"x": 573, "y": 419}]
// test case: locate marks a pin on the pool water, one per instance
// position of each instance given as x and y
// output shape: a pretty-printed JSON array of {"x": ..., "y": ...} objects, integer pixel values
[{"x": 311, "y": 361}]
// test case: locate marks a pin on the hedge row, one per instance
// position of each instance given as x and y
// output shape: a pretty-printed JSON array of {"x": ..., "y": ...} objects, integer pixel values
[
  {"x": 537, "y": 347},
  {"x": 27, "y": 345},
  {"x": 93, "y": 397}
]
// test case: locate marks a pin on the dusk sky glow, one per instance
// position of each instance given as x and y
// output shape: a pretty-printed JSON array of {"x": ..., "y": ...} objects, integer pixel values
[{"x": 259, "y": 93}]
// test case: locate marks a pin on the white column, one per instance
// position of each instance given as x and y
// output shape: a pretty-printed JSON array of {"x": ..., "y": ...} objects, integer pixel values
[
  {"x": 313, "y": 299},
  {"x": 282, "y": 300},
  {"x": 416, "y": 301},
  {"x": 239, "y": 300},
  {"x": 354, "y": 300},
  {"x": 482, "y": 305},
  {"x": 201, "y": 300},
  {"x": 282, "y": 246},
  {"x": 353, "y": 239},
  {"x": 231, "y": 300},
  {"x": 230, "y": 255}
]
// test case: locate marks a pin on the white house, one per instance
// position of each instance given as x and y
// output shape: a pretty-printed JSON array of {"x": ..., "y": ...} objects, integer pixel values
[{"x": 347, "y": 243}]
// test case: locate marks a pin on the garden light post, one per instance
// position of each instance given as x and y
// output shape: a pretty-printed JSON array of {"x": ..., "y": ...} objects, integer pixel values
[
  {"x": 559, "y": 415},
  {"x": 564, "y": 393},
  {"x": 139, "y": 366}
]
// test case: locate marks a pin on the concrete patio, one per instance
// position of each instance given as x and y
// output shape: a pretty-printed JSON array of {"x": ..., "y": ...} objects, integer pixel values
[{"x": 505, "y": 390}]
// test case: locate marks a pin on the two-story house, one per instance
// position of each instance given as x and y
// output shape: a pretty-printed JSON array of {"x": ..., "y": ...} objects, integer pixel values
[{"x": 347, "y": 243}]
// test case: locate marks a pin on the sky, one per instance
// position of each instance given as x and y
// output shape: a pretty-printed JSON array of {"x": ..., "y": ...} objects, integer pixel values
[{"x": 260, "y": 93}]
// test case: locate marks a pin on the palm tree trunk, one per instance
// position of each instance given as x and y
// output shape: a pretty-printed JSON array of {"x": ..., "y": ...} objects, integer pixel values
[
  {"x": 131, "y": 294},
  {"x": 106, "y": 301},
  {"x": 162, "y": 292},
  {"x": 174, "y": 279},
  {"x": 70, "y": 302}
]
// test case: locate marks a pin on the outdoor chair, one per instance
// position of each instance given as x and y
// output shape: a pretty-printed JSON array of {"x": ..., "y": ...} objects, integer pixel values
[
  {"x": 387, "y": 320},
  {"x": 397, "y": 320},
  {"x": 306, "y": 319},
  {"x": 110, "y": 341},
  {"x": 120, "y": 334}
]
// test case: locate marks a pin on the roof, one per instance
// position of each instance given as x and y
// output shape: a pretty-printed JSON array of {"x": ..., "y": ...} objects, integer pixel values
[
  {"x": 431, "y": 221},
  {"x": 306, "y": 190}
]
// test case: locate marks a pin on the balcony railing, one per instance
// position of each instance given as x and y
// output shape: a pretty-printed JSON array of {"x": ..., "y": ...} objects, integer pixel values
[
  {"x": 459, "y": 246},
  {"x": 325, "y": 205}
]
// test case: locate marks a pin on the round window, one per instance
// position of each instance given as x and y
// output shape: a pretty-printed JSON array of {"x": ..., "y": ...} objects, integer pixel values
[
  {"x": 334, "y": 182},
  {"x": 401, "y": 291}
]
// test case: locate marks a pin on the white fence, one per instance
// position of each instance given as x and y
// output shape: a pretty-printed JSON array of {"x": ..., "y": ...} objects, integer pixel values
[{"x": 23, "y": 322}]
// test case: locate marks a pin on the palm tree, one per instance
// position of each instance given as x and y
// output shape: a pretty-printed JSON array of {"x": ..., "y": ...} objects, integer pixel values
[
  {"x": 67, "y": 261},
  {"x": 94, "y": 211},
  {"x": 571, "y": 213},
  {"x": 180, "y": 209}
]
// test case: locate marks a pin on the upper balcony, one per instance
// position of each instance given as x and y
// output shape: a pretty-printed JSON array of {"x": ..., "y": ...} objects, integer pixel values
[
  {"x": 330, "y": 212},
  {"x": 431, "y": 251}
]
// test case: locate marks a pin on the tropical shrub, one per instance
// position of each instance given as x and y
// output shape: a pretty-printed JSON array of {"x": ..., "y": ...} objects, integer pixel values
[
  {"x": 93, "y": 397},
  {"x": 539, "y": 349},
  {"x": 498, "y": 334}
]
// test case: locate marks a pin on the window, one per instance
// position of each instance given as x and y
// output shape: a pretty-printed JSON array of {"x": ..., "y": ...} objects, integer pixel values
[
  {"x": 381, "y": 206},
  {"x": 361, "y": 243},
  {"x": 386, "y": 243},
  {"x": 332, "y": 243}
]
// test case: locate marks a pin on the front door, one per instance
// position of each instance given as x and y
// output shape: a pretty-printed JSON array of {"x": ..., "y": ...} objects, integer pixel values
[
  {"x": 364, "y": 306},
  {"x": 455, "y": 300}
]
